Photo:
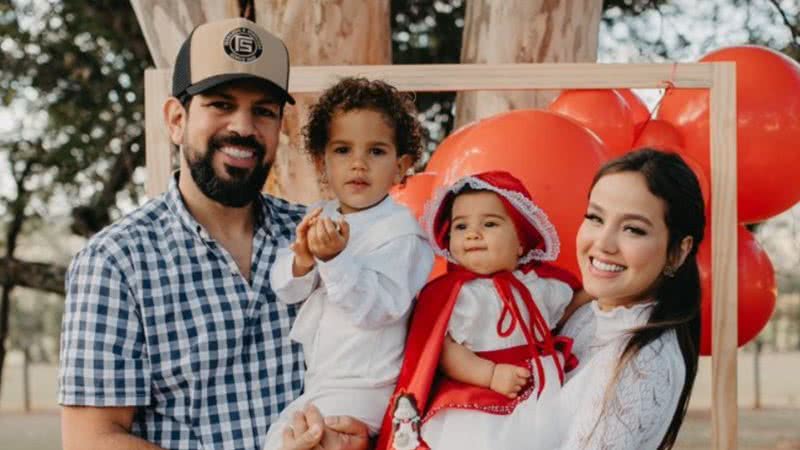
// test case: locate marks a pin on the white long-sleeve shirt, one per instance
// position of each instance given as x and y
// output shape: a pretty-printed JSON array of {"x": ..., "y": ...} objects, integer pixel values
[
  {"x": 353, "y": 324},
  {"x": 642, "y": 401}
]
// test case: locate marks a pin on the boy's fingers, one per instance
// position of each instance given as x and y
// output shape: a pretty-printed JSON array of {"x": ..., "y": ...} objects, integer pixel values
[
  {"x": 310, "y": 218},
  {"x": 313, "y": 238},
  {"x": 330, "y": 230},
  {"x": 314, "y": 213},
  {"x": 344, "y": 230}
]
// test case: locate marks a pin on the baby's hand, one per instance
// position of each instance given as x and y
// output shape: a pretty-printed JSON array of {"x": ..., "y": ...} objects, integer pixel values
[
  {"x": 508, "y": 379},
  {"x": 327, "y": 238},
  {"x": 303, "y": 258}
]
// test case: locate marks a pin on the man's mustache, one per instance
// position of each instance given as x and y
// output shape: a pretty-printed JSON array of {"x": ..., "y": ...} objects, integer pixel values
[{"x": 249, "y": 142}]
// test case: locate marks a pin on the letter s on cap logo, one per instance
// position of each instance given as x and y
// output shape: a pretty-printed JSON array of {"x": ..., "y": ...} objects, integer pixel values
[{"x": 243, "y": 45}]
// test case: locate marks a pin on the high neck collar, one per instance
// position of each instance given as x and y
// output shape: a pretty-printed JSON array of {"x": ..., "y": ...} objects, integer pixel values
[{"x": 620, "y": 320}]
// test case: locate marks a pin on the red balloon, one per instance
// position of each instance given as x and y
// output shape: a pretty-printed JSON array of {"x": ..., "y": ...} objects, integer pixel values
[
  {"x": 639, "y": 110},
  {"x": 554, "y": 156},
  {"x": 604, "y": 112},
  {"x": 661, "y": 135},
  {"x": 757, "y": 291},
  {"x": 768, "y": 119},
  {"x": 705, "y": 185},
  {"x": 414, "y": 192},
  {"x": 439, "y": 268}
]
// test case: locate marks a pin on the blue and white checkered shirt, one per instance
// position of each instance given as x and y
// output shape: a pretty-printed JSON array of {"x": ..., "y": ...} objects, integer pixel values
[{"x": 158, "y": 317}]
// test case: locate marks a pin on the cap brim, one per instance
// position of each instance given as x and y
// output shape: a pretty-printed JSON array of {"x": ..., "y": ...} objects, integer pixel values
[{"x": 215, "y": 81}]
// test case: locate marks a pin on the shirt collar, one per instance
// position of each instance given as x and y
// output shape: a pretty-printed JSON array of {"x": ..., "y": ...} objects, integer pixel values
[
  {"x": 175, "y": 203},
  {"x": 365, "y": 216}
]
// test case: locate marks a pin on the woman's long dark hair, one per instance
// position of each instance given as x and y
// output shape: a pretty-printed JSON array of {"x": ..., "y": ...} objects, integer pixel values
[{"x": 677, "y": 298}]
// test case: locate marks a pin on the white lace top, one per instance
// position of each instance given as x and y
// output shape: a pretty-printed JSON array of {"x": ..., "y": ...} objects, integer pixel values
[{"x": 643, "y": 402}]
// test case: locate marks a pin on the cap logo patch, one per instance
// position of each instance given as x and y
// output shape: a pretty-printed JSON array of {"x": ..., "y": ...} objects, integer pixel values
[{"x": 243, "y": 45}]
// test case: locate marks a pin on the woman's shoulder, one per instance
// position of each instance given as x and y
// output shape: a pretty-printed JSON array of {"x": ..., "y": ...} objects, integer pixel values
[
  {"x": 660, "y": 362},
  {"x": 665, "y": 346}
]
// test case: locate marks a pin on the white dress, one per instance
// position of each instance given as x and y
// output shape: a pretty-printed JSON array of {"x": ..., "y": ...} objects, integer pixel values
[
  {"x": 353, "y": 323},
  {"x": 474, "y": 324},
  {"x": 644, "y": 399}
]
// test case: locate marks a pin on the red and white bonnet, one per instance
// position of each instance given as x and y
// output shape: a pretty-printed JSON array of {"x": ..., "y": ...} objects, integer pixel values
[{"x": 535, "y": 231}]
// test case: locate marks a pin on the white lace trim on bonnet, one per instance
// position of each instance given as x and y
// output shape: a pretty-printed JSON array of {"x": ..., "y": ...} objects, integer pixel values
[{"x": 526, "y": 207}]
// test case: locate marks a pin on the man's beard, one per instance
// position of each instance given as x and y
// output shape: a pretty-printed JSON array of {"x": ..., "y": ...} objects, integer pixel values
[{"x": 244, "y": 185}]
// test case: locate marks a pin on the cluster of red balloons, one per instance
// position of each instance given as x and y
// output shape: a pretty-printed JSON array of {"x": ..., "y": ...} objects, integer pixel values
[{"x": 555, "y": 153}]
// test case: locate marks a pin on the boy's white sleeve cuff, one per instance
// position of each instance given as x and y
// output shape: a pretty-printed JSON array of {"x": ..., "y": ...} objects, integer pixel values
[
  {"x": 339, "y": 274},
  {"x": 287, "y": 287}
]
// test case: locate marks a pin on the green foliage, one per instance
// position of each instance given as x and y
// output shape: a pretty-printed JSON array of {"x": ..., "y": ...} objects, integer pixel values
[
  {"x": 429, "y": 32},
  {"x": 75, "y": 70}
]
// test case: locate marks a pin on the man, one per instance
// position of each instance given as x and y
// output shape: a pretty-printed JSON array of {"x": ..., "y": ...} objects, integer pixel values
[{"x": 172, "y": 336}]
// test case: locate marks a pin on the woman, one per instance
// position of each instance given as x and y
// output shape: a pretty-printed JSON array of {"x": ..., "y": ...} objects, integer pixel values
[{"x": 638, "y": 342}]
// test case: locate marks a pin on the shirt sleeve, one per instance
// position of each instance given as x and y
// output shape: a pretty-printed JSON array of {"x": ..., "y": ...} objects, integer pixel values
[
  {"x": 463, "y": 319},
  {"x": 103, "y": 357},
  {"x": 288, "y": 288},
  {"x": 551, "y": 295},
  {"x": 643, "y": 400},
  {"x": 378, "y": 288}
]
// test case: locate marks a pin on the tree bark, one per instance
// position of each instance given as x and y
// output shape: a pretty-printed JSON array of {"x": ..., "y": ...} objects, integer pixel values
[
  {"x": 35, "y": 275},
  {"x": 12, "y": 234},
  {"x": 166, "y": 25},
  {"x": 524, "y": 31},
  {"x": 5, "y": 310},
  {"x": 319, "y": 32}
]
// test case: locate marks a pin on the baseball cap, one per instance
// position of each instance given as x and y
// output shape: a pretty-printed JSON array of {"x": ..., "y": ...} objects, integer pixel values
[{"x": 226, "y": 50}]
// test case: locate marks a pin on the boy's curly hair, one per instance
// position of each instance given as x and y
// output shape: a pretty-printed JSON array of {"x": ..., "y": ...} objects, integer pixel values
[{"x": 360, "y": 93}]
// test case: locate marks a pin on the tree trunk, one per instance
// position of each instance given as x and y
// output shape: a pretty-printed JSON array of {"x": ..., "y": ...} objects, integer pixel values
[
  {"x": 524, "y": 31},
  {"x": 13, "y": 231},
  {"x": 26, "y": 379},
  {"x": 166, "y": 25},
  {"x": 319, "y": 32},
  {"x": 5, "y": 310}
]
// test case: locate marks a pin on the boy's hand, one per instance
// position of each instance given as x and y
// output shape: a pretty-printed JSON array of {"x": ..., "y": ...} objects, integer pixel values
[
  {"x": 508, "y": 379},
  {"x": 327, "y": 238},
  {"x": 303, "y": 258}
]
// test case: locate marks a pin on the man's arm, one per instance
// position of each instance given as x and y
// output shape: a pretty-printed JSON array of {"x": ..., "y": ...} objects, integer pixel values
[
  {"x": 102, "y": 342},
  {"x": 88, "y": 428}
]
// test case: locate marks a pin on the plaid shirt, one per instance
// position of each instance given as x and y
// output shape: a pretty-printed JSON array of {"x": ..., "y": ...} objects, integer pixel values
[{"x": 158, "y": 317}]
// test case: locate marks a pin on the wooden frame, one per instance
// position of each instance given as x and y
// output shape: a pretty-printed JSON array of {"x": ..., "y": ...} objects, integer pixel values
[{"x": 719, "y": 78}]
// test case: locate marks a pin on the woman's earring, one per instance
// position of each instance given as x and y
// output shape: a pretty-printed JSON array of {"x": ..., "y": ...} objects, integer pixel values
[{"x": 669, "y": 272}]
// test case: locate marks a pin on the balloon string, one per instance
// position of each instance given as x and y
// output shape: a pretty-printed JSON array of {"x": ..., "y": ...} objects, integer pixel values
[{"x": 668, "y": 85}]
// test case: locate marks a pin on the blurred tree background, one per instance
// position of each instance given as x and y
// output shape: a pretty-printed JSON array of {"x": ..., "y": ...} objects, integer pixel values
[{"x": 71, "y": 123}]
